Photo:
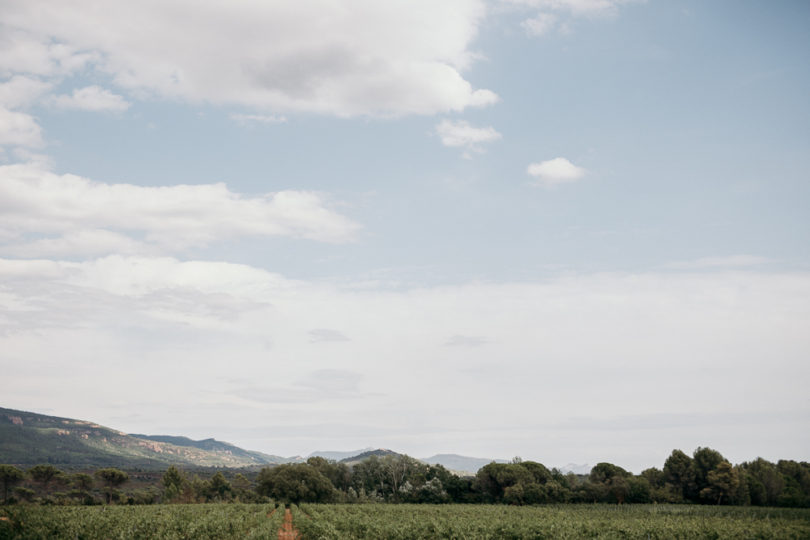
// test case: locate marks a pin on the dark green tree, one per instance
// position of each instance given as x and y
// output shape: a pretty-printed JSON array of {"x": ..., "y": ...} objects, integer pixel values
[
  {"x": 173, "y": 481},
  {"x": 10, "y": 476},
  {"x": 763, "y": 481},
  {"x": 242, "y": 489},
  {"x": 722, "y": 482},
  {"x": 338, "y": 473},
  {"x": 112, "y": 478},
  {"x": 368, "y": 476},
  {"x": 82, "y": 481},
  {"x": 602, "y": 472},
  {"x": 796, "y": 476},
  {"x": 45, "y": 476},
  {"x": 218, "y": 487},
  {"x": 638, "y": 490},
  {"x": 295, "y": 483},
  {"x": 679, "y": 473}
]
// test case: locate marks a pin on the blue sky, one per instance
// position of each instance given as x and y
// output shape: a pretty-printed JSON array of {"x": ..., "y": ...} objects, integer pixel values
[{"x": 572, "y": 230}]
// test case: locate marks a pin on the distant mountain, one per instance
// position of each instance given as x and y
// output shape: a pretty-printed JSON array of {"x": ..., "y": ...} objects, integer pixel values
[
  {"x": 28, "y": 438},
  {"x": 337, "y": 456},
  {"x": 460, "y": 464},
  {"x": 576, "y": 469},
  {"x": 379, "y": 452},
  {"x": 213, "y": 445}
]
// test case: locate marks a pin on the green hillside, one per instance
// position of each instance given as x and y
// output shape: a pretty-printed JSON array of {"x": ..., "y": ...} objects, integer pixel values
[
  {"x": 213, "y": 445},
  {"x": 28, "y": 438}
]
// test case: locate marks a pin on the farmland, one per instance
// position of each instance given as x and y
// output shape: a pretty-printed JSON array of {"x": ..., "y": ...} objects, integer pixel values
[
  {"x": 214, "y": 521},
  {"x": 404, "y": 521}
]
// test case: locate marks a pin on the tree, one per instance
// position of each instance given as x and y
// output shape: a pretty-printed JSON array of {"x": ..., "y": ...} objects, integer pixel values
[
  {"x": 722, "y": 482},
  {"x": 82, "y": 484},
  {"x": 678, "y": 472},
  {"x": 797, "y": 483},
  {"x": 295, "y": 483},
  {"x": 82, "y": 481},
  {"x": 638, "y": 490},
  {"x": 113, "y": 478},
  {"x": 338, "y": 473},
  {"x": 218, "y": 486},
  {"x": 10, "y": 476},
  {"x": 540, "y": 474},
  {"x": 44, "y": 475},
  {"x": 602, "y": 472},
  {"x": 368, "y": 476},
  {"x": 396, "y": 470},
  {"x": 173, "y": 481},
  {"x": 241, "y": 488},
  {"x": 763, "y": 481}
]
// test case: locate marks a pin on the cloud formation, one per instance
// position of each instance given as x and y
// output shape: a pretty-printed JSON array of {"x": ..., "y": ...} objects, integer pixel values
[
  {"x": 65, "y": 327},
  {"x": 366, "y": 58},
  {"x": 461, "y": 134},
  {"x": 20, "y": 91},
  {"x": 46, "y": 214},
  {"x": 557, "y": 14},
  {"x": 92, "y": 98},
  {"x": 555, "y": 171},
  {"x": 19, "y": 129}
]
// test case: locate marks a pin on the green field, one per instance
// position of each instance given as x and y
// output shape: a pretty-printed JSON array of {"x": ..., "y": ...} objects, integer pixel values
[
  {"x": 569, "y": 521},
  {"x": 386, "y": 521},
  {"x": 177, "y": 521}
]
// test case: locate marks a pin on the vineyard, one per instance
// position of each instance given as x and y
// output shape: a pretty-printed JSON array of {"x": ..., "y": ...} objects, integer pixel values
[
  {"x": 400, "y": 522},
  {"x": 170, "y": 522}
]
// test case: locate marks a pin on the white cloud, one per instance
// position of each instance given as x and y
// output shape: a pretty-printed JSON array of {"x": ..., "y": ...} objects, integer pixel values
[
  {"x": 26, "y": 52},
  {"x": 555, "y": 14},
  {"x": 540, "y": 24},
  {"x": 20, "y": 91},
  {"x": 588, "y": 8},
  {"x": 18, "y": 129},
  {"x": 462, "y": 134},
  {"x": 555, "y": 171},
  {"x": 249, "y": 119},
  {"x": 569, "y": 344},
  {"x": 92, "y": 98},
  {"x": 91, "y": 216},
  {"x": 366, "y": 58},
  {"x": 76, "y": 243}
]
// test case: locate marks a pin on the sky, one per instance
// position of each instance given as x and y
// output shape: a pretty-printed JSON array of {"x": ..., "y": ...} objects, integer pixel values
[{"x": 568, "y": 230}]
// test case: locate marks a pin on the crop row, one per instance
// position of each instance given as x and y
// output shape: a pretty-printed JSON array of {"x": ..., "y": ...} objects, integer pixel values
[
  {"x": 401, "y": 522},
  {"x": 405, "y": 522},
  {"x": 170, "y": 522}
]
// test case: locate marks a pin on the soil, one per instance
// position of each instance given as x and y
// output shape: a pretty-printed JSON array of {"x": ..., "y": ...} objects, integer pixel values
[{"x": 287, "y": 531}]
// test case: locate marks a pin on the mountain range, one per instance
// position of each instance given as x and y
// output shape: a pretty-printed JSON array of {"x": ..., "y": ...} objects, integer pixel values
[{"x": 28, "y": 438}]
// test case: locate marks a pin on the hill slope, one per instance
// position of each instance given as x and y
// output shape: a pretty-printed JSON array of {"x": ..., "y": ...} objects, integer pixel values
[
  {"x": 460, "y": 464},
  {"x": 338, "y": 455},
  {"x": 218, "y": 447},
  {"x": 379, "y": 452},
  {"x": 28, "y": 438}
]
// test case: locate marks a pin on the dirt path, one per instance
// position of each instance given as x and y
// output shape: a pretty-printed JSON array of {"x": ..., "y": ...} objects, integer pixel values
[{"x": 287, "y": 531}]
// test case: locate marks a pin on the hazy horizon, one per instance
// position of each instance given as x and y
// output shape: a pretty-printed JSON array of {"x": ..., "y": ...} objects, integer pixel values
[{"x": 572, "y": 231}]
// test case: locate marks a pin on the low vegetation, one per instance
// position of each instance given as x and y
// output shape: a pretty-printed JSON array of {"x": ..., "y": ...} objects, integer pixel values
[{"x": 402, "y": 521}]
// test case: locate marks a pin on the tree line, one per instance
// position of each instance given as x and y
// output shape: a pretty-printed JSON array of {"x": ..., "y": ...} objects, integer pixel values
[{"x": 705, "y": 477}]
